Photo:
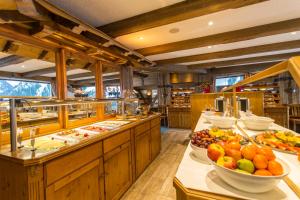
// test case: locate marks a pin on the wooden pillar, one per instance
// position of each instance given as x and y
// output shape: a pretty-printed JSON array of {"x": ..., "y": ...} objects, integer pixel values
[
  {"x": 99, "y": 80},
  {"x": 235, "y": 109},
  {"x": 99, "y": 88},
  {"x": 61, "y": 85},
  {"x": 126, "y": 78}
]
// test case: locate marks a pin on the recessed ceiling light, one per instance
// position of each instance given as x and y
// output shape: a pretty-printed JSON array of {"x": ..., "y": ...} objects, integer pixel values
[
  {"x": 210, "y": 23},
  {"x": 140, "y": 38},
  {"x": 23, "y": 66},
  {"x": 210, "y": 47},
  {"x": 174, "y": 30},
  {"x": 294, "y": 33}
]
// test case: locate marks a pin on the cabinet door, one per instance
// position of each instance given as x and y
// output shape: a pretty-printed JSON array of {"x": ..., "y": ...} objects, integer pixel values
[
  {"x": 142, "y": 152},
  {"x": 155, "y": 141},
  {"x": 118, "y": 172},
  {"x": 81, "y": 184}
]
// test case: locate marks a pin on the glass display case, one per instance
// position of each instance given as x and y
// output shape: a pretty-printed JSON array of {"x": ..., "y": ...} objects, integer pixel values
[{"x": 23, "y": 119}]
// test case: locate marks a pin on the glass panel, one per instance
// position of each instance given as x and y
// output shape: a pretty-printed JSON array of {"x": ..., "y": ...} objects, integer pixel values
[
  {"x": 112, "y": 91},
  {"x": 90, "y": 91},
  {"x": 25, "y": 88}
]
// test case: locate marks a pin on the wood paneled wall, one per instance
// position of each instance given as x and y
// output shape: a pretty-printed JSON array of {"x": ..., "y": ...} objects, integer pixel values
[{"x": 199, "y": 102}]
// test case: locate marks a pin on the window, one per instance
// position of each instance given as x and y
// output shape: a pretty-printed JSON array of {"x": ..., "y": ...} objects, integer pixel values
[
  {"x": 112, "y": 92},
  {"x": 227, "y": 81},
  {"x": 24, "y": 88},
  {"x": 90, "y": 91}
]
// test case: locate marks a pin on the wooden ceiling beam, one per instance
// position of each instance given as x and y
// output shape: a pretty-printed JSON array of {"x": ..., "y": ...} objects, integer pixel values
[
  {"x": 226, "y": 37},
  {"x": 258, "y": 59},
  {"x": 232, "y": 53},
  {"x": 242, "y": 68},
  {"x": 43, "y": 54},
  {"x": 8, "y": 5},
  {"x": 13, "y": 16},
  {"x": 11, "y": 60},
  {"x": 19, "y": 76},
  {"x": 87, "y": 74},
  {"x": 171, "y": 14},
  {"x": 92, "y": 80},
  {"x": 39, "y": 72}
]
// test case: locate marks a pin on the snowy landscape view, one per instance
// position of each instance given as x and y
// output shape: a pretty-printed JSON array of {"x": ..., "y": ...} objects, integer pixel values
[{"x": 24, "y": 88}]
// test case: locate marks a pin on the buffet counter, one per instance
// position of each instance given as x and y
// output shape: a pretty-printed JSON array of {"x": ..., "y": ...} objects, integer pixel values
[
  {"x": 197, "y": 179},
  {"x": 96, "y": 166},
  {"x": 179, "y": 117}
]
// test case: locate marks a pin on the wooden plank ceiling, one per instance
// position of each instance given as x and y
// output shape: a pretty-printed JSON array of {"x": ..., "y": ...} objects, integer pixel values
[{"x": 201, "y": 34}]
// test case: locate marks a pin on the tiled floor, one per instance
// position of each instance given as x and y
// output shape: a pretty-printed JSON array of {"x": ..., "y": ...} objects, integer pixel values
[{"x": 156, "y": 183}]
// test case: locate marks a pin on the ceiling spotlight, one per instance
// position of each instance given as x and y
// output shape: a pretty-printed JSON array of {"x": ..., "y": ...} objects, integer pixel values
[
  {"x": 209, "y": 47},
  {"x": 141, "y": 38},
  {"x": 23, "y": 66},
  {"x": 210, "y": 23},
  {"x": 294, "y": 33}
]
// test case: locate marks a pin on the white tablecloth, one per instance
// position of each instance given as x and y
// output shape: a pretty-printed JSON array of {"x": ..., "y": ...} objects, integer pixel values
[{"x": 198, "y": 175}]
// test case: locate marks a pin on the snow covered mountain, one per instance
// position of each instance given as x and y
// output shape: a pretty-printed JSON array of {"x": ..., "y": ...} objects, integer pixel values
[{"x": 24, "y": 88}]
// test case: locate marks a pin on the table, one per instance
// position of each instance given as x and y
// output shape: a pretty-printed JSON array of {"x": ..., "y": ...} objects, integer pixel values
[{"x": 197, "y": 179}]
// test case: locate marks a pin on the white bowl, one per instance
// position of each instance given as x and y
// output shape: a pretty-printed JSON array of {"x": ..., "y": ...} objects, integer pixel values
[
  {"x": 222, "y": 122},
  {"x": 207, "y": 114},
  {"x": 248, "y": 182},
  {"x": 200, "y": 153},
  {"x": 257, "y": 123}
]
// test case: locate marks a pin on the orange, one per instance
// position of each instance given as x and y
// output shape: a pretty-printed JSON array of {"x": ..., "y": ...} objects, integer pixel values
[
  {"x": 233, "y": 145},
  {"x": 262, "y": 172},
  {"x": 275, "y": 168},
  {"x": 248, "y": 152},
  {"x": 260, "y": 161},
  {"x": 266, "y": 151}
]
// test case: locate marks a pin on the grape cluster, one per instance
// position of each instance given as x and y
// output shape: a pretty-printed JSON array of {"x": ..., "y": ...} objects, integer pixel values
[{"x": 202, "y": 139}]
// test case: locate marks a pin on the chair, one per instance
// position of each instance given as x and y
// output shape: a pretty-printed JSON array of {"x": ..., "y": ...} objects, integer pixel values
[
  {"x": 164, "y": 114},
  {"x": 294, "y": 117}
]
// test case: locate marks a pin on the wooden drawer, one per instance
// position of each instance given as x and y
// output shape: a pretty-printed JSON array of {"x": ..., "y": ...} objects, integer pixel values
[
  {"x": 141, "y": 128},
  {"x": 115, "y": 141},
  {"x": 65, "y": 165},
  {"x": 155, "y": 122}
]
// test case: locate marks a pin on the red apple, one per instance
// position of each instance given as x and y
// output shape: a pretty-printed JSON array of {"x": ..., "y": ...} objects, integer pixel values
[
  {"x": 235, "y": 154},
  {"x": 227, "y": 162},
  {"x": 215, "y": 151}
]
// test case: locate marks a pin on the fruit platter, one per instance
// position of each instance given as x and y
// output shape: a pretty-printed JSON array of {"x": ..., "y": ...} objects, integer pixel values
[
  {"x": 242, "y": 167},
  {"x": 200, "y": 140},
  {"x": 284, "y": 141}
]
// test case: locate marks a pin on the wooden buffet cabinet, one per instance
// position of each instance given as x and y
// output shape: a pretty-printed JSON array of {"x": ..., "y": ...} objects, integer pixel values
[{"x": 100, "y": 168}]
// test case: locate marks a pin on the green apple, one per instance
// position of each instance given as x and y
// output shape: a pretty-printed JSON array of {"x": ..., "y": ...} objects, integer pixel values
[{"x": 246, "y": 165}]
